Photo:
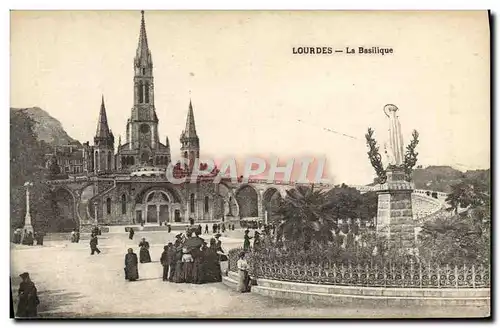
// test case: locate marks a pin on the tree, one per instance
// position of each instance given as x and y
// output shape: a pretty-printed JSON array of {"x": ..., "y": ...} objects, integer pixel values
[
  {"x": 344, "y": 202},
  {"x": 411, "y": 156},
  {"x": 461, "y": 237},
  {"x": 375, "y": 158},
  {"x": 368, "y": 207},
  {"x": 306, "y": 217}
]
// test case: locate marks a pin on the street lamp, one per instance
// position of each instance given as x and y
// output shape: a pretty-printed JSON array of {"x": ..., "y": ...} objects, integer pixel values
[
  {"x": 28, "y": 227},
  {"x": 95, "y": 213}
]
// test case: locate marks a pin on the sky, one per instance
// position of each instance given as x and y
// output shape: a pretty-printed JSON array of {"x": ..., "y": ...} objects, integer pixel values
[{"x": 252, "y": 96}]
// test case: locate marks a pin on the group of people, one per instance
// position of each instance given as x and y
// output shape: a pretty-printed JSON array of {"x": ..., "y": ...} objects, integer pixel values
[
  {"x": 220, "y": 227},
  {"x": 28, "y": 238},
  {"x": 75, "y": 236},
  {"x": 189, "y": 260}
]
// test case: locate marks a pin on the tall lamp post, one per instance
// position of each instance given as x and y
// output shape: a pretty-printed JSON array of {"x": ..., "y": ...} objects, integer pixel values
[
  {"x": 95, "y": 213},
  {"x": 28, "y": 227}
]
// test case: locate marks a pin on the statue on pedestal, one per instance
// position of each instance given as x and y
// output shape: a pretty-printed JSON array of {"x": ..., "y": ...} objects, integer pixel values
[{"x": 394, "y": 152}]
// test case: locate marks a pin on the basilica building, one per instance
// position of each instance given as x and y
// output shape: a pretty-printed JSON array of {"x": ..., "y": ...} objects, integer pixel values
[{"x": 126, "y": 182}]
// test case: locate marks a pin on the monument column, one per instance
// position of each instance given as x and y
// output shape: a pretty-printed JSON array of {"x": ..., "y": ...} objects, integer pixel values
[
  {"x": 28, "y": 227},
  {"x": 394, "y": 210}
]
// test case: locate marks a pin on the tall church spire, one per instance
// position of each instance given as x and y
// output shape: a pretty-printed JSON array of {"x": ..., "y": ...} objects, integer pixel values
[
  {"x": 102, "y": 124},
  {"x": 190, "y": 131},
  {"x": 143, "y": 55}
]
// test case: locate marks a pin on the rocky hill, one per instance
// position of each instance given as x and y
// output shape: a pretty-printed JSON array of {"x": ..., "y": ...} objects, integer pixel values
[{"x": 46, "y": 127}]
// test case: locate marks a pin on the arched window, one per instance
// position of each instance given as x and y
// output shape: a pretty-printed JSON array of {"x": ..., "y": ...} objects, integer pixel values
[
  {"x": 109, "y": 161},
  {"x": 206, "y": 204},
  {"x": 141, "y": 99},
  {"x": 108, "y": 206},
  {"x": 146, "y": 92},
  {"x": 124, "y": 204},
  {"x": 191, "y": 203}
]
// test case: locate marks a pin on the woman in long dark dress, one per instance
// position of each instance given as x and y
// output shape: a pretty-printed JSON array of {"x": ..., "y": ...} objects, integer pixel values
[
  {"x": 246, "y": 242},
  {"x": 198, "y": 267},
  {"x": 178, "y": 273},
  {"x": 131, "y": 266},
  {"x": 144, "y": 255},
  {"x": 187, "y": 265},
  {"x": 212, "y": 264},
  {"x": 28, "y": 298}
]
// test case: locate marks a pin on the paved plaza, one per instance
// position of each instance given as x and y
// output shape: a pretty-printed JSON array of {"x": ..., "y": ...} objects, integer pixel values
[{"x": 72, "y": 283}]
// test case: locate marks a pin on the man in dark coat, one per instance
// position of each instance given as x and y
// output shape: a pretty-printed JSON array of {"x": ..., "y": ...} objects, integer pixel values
[
  {"x": 131, "y": 266},
  {"x": 164, "y": 261},
  {"x": 28, "y": 298},
  {"x": 206, "y": 228},
  {"x": 144, "y": 255},
  {"x": 131, "y": 233},
  {"x": 214, "y": 228},
  {"x": 93, "y": 245},
  {"x": 169, "y": 228},
  {"x": 171, "y": 260}
]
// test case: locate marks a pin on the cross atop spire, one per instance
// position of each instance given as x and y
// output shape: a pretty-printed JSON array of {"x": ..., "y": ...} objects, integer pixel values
[{"x": 103, "y": 131}]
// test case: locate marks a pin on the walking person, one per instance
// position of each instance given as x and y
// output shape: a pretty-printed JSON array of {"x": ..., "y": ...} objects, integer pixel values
[
  {"x": 206, "y": 228},
  {"x": 131, "y": 266},
  {"x": 131, "y": 233},
  {"x": 144, "y": 255},
  {"x": 246, "y": 242},
  {"x": 244, "y": 278},
  {"x": 28, "y": 298},
  {"x": 93, "y": 245},
  {"x": 73, "y": 236}
]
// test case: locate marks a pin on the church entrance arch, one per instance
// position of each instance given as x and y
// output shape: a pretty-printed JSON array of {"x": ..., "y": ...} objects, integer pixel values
[{"x": 157, "y": 207}]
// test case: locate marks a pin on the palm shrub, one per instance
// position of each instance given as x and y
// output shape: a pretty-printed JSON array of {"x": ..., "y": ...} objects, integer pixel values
[{"x": 306, "y": 217}]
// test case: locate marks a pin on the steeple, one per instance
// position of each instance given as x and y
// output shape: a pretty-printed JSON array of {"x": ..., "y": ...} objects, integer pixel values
[
  {"x": 143, "y": 55},
  {"x": 102, "y": 124},
  {"x": 190, "y": 130},
  {"x": 167, "y": 143}
]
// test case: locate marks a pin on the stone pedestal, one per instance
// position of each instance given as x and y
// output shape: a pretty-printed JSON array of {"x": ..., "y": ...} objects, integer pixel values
[{"x": 394, "y": 211}]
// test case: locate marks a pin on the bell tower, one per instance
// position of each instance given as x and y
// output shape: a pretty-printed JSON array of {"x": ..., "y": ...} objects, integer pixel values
[
  {"x": 142, "y": 126},
  {"x": 190, "y": 143}
]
